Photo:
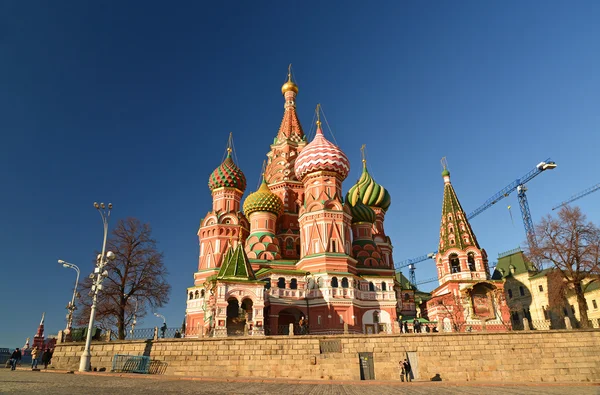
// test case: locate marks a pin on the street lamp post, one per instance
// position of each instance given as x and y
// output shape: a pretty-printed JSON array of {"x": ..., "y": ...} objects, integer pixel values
[
  {"x": 71, "y": 306},
  {"x": 134, "y": 319},
  {"x": 98, "y": 277}
]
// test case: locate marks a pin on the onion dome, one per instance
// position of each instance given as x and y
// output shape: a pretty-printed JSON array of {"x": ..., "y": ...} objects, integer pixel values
[
  {"x": 445, "y": 173},
  {"x": 321, "y": 155},
  {"x": 263, "y": 200},
  {"x": 289, "y": 85},
  {"x": 362, "y": 213},
  {"x": 369, "y": 192},
  {"x": 228, "y": 175}
]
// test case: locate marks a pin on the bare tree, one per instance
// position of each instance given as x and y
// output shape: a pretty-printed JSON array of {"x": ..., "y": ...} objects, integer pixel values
[
  {"x": 571, "y": 245},
  {"x": 137, "y": 273},
  {"x": 453, "y": 307}
]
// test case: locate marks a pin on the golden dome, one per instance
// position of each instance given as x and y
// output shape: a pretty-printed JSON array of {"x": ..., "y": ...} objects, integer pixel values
[{"x": 289, "y": 85}]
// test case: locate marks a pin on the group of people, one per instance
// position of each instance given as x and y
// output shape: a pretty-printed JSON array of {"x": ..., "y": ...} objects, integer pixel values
[
  {"x": 417, "y": 327},
  {"x": 405, "y": 370},
  {"x": 17, "y": 355}
]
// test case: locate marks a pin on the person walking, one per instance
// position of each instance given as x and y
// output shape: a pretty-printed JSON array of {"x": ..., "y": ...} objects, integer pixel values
[
  {"x": 406, "y": 367},
  {"x": 46, "y": 358},
  {"x": 34, "y": 358},
  {"x": 15, "y": 358}
]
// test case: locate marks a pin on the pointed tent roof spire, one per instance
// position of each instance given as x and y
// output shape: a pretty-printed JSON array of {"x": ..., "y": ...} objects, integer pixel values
[
  {"x": 236, "y": 265},
  {"x": 290, "y": 128},
  {"x": 42, "y": 321},
  {"x": 453, "y": 216}
]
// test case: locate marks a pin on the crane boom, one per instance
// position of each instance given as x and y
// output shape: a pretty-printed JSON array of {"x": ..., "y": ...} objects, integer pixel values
[
  {"x": 578, "y": 196},
  {"x": 507, "y": 190}
]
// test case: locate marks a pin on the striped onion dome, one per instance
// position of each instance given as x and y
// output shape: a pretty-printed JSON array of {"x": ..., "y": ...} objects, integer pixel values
[
  {"x": 263, "y": 200},
  {"x": 321, "y": 155},
  {"x": 227, "y": 175},
  {"x": 369, "y": 192},
  {"x": 362, "y": 213}
]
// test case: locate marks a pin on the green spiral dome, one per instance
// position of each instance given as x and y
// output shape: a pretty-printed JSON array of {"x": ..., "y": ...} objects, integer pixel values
[
  {"x": 362, "y": 213},
  {"x": 227, "y": 175},
  {"x": 263, "y": 200},
  {"x": 369, "y": 192}
]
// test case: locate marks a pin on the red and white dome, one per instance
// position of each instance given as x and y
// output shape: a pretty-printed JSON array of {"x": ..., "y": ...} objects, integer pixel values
[{"x": 321, "y": 155}]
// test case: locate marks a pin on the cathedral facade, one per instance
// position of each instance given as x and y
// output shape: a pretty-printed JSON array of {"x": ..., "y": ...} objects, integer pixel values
[{"x": 297, "y": 251}]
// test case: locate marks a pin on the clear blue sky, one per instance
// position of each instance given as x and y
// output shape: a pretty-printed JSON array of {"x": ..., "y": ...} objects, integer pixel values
[{"x": 132, "y": 102}]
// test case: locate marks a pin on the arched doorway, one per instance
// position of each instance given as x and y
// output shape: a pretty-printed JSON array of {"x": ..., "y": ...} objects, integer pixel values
[
  {"x": 235, "y": 318},
  {"x": 290, "y": 315}
]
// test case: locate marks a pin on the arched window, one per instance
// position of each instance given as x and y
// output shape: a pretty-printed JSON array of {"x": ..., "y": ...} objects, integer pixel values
[
  {"x": 196, "y": 295},
  {"x": 375, "y": 317},
  {"x": 191, "y": 295},
  {"x": 344, "y": 282},
  {"x": 267, "y": 283},
  {"x": 281, "y": 282},
  {"x": 454, "y": 264},
  {"x": 383, "y": 286},
  {"x": 202, "y": 293},
  {"x": 334, "y": 282},
  {"x": 471, "y": 261},
  {"x": 510, "y": 293},
  {"x": 289, "y": 244},
  {"x": 371, "y": 286},
  {"x": 406, "y": 297},
  {"x": 521, "y": 291},
  {"x": 294, "y": 284},
  {"x": 451, "y": 229}
]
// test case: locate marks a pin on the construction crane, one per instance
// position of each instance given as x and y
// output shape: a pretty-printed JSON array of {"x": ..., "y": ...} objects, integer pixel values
[
  {"x": 517, "y": 185},
  {"x": 578, "y": 196}
]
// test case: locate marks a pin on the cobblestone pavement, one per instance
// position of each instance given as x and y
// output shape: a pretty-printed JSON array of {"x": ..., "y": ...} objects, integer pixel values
[{"x": 28, "y": 382}]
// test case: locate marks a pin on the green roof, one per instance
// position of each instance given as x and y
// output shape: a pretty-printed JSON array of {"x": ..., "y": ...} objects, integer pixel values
[
  {"x": 451, "y": 205},
  {"x": 404, "y": 283},
  {"x": 236, "y": 266},
  {"x": 592, "y": 286},
  {"x": 516, "y": 260}
]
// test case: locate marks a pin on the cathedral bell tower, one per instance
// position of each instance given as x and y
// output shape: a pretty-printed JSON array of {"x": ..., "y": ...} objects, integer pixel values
[
  {"x": 459, "y": 256},
  {"x": 280, "y": 175}
]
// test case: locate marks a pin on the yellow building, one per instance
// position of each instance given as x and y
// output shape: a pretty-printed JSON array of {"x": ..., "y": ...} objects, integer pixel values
[{"x": 526, "y": 293}]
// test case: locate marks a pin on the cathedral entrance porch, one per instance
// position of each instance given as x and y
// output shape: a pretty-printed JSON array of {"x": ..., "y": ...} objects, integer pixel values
[{"x": 238, "y": 317}]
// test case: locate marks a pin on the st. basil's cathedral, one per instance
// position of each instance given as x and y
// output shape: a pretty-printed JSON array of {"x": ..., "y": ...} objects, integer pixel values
[{"x": 298, "y": 251}]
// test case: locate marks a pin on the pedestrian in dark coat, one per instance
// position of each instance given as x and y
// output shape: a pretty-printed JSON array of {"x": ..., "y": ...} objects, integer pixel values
[
  {"x": 15, "y": 358},
  {"x": 46, "y": 358},
  {"x": 407, "y": 369}
]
